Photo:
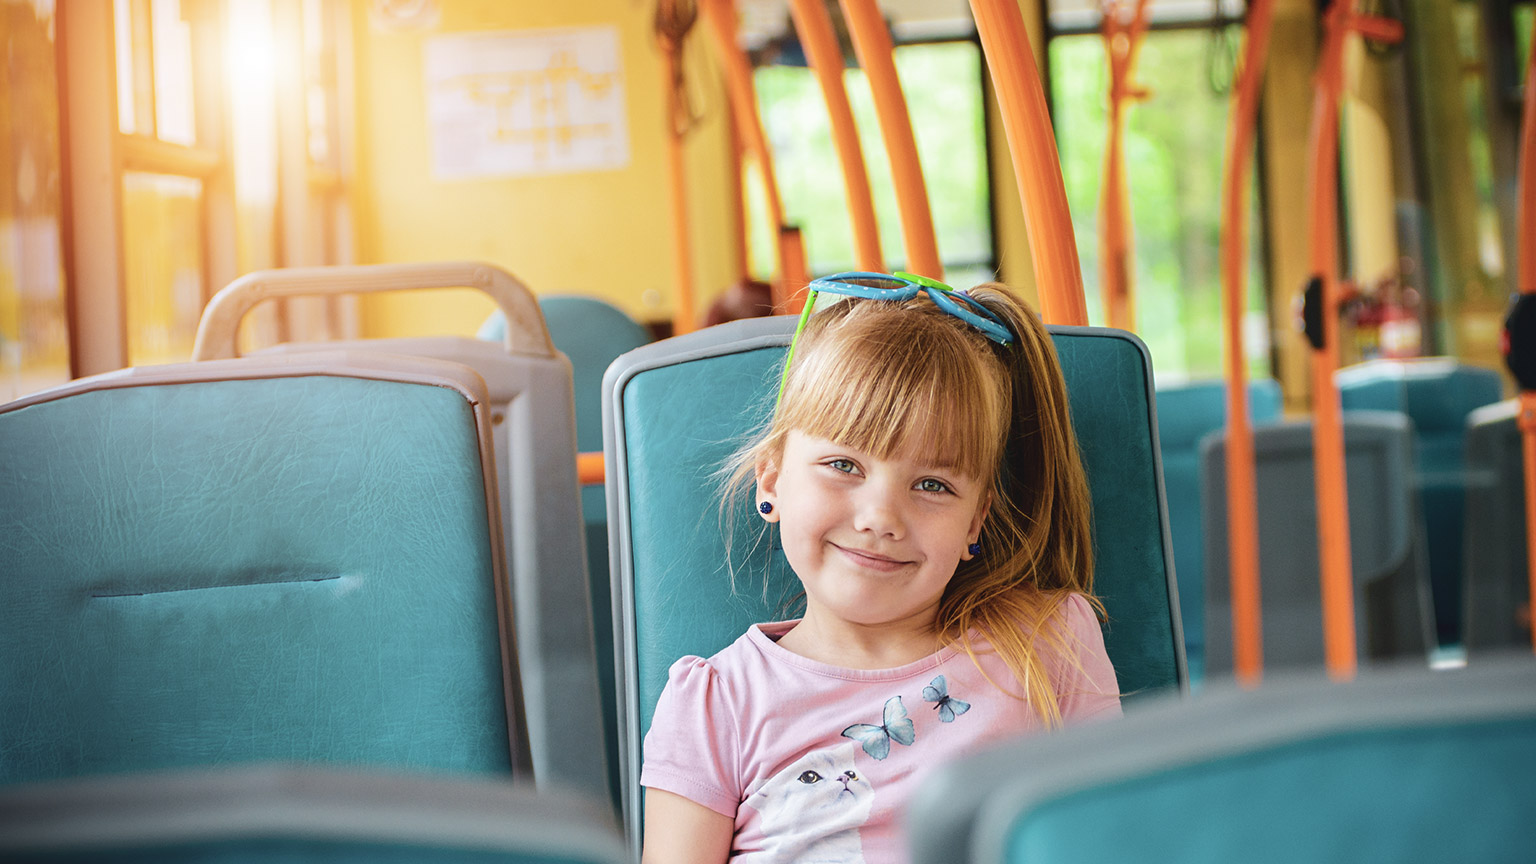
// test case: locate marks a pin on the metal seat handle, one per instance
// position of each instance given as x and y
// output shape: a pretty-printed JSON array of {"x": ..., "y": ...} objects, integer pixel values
[{"x": 219, "y": 328}]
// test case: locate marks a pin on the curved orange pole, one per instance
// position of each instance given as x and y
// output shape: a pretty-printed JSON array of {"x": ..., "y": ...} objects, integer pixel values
[
  {"x": 872, "y": 43},
  {"x": 1527, "y": 276},
  {"x": 1122, "y": 43},
  {"x": 1027, "y": 122},
  {"x": 1339, "y": 648},
  {"x": 814, "y": 25},
  {"x": 719, "y": 18},
  {"x": 1242, "y": 495}
]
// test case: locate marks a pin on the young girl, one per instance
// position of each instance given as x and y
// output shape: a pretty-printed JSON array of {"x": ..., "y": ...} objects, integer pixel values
[{"x": 923, "y": 474}]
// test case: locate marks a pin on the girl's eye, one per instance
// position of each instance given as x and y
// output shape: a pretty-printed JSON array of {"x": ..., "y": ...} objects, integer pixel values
[
  {"x": 844, "y": 465},
  {"x": 929, "y": 484}
]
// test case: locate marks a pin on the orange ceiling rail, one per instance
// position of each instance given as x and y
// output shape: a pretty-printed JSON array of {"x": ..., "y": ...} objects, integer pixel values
[
  {"x": 720, "y": 22},
  {"x": 1032, "y": 146},
  {"x": 814, "y": 25},
  {"x": 674, "y": 18},
  {"x": 1340, "y": 22},
  {"x": 872, "y": 44},
  {"x": 1122, "y": 44},
  {"x": 1527, "y": 284},
  {"x": 1242, "y": 495}
]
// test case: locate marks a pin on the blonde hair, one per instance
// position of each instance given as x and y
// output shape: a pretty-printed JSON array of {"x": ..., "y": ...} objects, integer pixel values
[{"x": 892, "y": 378}]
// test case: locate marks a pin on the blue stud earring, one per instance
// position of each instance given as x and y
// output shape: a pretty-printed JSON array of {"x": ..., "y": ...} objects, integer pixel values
[
  {"x": 765, "y": 508},
  {"x": 974, "y": 549}
]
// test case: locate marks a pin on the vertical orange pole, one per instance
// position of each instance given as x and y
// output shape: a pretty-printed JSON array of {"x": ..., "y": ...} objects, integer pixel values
[
  {"x": 1242, "y": 496},
  {"x": 1122, "y": 42},
  {"x": 719, "y": 17},
  {"x": 796, "y": 274},
  {"x": 682, "y": 251},
  {"x": 1526, "y": 231},
  {"x": 1339, "y": 647},
  {"x": 1027, "y": 122},
  {"x": 738, "y": 167},
  {"x": 872, "y": 43},
  {"x": 814, "y": 25},
  {"x": 1327, "y": 432}
]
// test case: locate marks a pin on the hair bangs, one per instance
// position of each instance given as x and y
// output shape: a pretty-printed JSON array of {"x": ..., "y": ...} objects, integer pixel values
[{"x": 895, "y": 383}]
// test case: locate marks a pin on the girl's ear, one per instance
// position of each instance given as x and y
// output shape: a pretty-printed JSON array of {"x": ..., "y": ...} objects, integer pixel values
[
  {"x": 982, "y": 509},
  {"x": 767, "y": 470}
]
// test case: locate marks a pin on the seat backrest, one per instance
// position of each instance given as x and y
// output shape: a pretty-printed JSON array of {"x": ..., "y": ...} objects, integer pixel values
[
  {"x": 1408, "y": 765},
  {"x": 1382, "y": 520},
  {"x": 1497, "y": 584},
  {"x": 529, "y": 385},
  {"x": 1437, "y": 394},
  {"x": 283, "y": 813},
  {"x": 674, "y": 411},
  {"x": 1186, "y": 413},
  {"x": 255, "y": 559}
]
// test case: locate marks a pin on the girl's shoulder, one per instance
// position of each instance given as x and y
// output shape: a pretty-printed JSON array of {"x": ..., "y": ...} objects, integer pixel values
[{"x": 726, "y": 669}]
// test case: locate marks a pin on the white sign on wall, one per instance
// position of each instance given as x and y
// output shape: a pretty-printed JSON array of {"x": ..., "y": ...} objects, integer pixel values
[{"x": 528, "y": 102}]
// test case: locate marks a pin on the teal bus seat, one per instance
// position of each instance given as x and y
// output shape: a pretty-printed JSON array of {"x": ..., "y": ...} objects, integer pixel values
[
  {"x": 675, "y": 410},
  {"x": 1497, "y": 599},
  {"x": 289, "y": 813},
  {"x": 533, "y": 427},
  {"x": 1186, "y": 413},
  {"x": 283, "y": 558},
  {"x": 1403, "y": 765},
  {"x": 1437, "y": 394},
  {"x": 1392, "y": 610}
]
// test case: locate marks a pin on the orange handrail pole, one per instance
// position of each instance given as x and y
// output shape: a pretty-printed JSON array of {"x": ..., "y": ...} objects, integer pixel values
[
  {"x": 1027, "y": 122},
  {"x": 1122, "y": 43},
  {"x": 719, "y": 17},
  {"x": 1526, "y": 230},
  {"x": 814, "y": 25},
  {"x": 1242, "y": 484},
  {"x": 671, "y": 43},
  {"x": 797, "y": 274},
  {"x": 872, "y": 44},
  {"x": 589, "y": 468},
  {"x": 1339, "y": 647},
  {"x": 737, "y": 190}
]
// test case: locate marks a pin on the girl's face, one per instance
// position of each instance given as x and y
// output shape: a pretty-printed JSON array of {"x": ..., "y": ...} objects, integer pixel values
[{"x": 874, "y": 541}]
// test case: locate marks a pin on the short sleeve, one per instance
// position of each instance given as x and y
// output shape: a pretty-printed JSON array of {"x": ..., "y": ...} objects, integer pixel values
[
  {"x": 691, "y": 749},
  {"x": 1088, "y": 687}
]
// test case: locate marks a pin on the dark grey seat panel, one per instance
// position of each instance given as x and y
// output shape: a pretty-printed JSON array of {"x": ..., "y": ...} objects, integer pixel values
[
  {"x": 1496, "y": 582},
  {"x": 1392, "y": 610}
]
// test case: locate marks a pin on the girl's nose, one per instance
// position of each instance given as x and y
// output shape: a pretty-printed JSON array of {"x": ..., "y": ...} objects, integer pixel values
[{"x": 879, "y": 512}]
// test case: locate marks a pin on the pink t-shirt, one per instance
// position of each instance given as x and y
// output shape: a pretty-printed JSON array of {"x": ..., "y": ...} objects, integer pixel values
[{"x": 814, "y": 762}]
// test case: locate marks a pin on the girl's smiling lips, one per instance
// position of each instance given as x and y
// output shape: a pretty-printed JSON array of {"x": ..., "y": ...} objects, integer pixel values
[{"x": 871, "y": 560}]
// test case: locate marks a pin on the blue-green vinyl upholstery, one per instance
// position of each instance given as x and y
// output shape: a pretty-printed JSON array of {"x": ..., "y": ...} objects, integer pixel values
[
  {"x": 1186, "y": 413},
  {"x": 676, "y": 410},
  {"x": 1437, "y": 394},
  {"x": 1408, "y": 766},
  {"x": 297, "y": 567},
  {"x": 275, "y": 813}
]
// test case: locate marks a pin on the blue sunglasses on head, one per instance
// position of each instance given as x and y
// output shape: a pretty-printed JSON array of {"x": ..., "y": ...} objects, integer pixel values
[{"x": 899, "y": 286}]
